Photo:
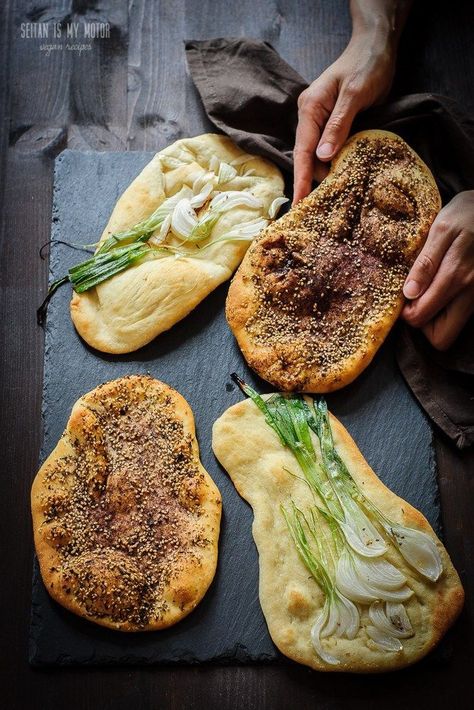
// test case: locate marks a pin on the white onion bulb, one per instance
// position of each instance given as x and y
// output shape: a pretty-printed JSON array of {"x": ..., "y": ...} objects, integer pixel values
[
  {"x": 418, "y": 549},
  {"x": 391, "y": 618},
  {"x": 275, "y": 206}
]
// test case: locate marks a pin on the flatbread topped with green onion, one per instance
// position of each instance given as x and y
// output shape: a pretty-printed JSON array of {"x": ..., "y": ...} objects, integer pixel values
[
  {"x": 352, "y": 578},
  {"x": 179, "y": 230}
]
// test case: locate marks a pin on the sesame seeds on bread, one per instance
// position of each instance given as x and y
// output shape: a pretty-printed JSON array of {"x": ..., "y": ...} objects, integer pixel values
[
  {"x": 320, "y": 288},
  {"x": 125, "y": 518}
]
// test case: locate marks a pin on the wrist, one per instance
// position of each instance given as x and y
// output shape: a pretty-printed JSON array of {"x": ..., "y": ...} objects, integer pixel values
[
  {"x": 377, "y": 42},
  {"x": 379, "y": 22}
]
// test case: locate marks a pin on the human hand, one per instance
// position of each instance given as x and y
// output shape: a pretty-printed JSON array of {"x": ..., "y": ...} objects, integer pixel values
[
  {"x": 362, "y": 76},
  {"x": 440, "y": 285}
]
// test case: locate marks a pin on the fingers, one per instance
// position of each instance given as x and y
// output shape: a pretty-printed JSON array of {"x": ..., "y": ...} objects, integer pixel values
[
  {"x": 443, "y": 330},
  {"x": 339, "y": 124},
  {"x": 454, "y": 274},
  {"x": 307, "y": 137},
  {"x": 441, "y": 291},
  {"x": 327, "y": 104},
  {"x": 314, "y": 106},
  {"x": 440, "y": 284},
  {"x": 440, "y": 237}
]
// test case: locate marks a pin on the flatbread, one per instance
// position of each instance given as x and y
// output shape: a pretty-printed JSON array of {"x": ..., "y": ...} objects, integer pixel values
[
  {"x": 125, "y": 518},
  {"x": 320, "y": 288},
  {"x": 130, "y": 309},
  {"x": 261, "y": 470}
]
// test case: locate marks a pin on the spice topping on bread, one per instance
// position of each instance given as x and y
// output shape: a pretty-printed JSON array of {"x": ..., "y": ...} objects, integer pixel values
[{"x": 319, "y": 290}]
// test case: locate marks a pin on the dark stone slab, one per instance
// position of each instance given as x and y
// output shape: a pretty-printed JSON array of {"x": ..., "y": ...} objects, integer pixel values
[{"x": 196, "y": 357}]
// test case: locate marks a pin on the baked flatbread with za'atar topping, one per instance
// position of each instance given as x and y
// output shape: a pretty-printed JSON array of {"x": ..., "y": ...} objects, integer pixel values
[
  {"x": 318, "y": 290},
  {"x": 125, "y": 518},
  {"x": 177, "y": 232},
  {"x": 352, "y": 577}
]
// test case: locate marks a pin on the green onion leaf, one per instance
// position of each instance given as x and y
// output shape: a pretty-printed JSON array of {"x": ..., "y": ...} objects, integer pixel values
[
  {"x": 41, "y": 311},
  {"x": 102, "y": 266}
]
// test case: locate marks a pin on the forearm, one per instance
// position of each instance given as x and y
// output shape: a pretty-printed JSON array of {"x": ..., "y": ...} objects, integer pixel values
[
  {"x": 359, "y": 78},
  {"x": 379, "y": 22}
]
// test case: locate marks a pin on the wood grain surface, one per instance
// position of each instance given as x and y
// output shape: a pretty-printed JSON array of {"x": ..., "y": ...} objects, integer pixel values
[{"x": 132, "y": 91}]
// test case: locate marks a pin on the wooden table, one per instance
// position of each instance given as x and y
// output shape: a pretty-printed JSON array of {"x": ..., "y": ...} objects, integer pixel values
[{"x": 132, "y": 92}]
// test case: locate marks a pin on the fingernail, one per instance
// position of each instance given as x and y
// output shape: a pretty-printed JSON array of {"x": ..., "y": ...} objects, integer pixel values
[
  {"x": 412, "y": 289},
  {"x": 325, "y": 150}
]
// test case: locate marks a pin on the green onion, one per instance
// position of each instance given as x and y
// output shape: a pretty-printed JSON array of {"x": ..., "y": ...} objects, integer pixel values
[
  {"x": 203, "y": 228},
  {"x": 96, "y": 270},
  {"x": 143, "y": 230},
  {"x": 315, "y": 565},
  {"x": 339, "y": 617},
  {"x": 125, "y": 248},
  {"x": 104, "y": 265},
  {"x": 41, "y": 311},
  {"x": 415, "y": 546},
  {"x": 348, "y": 565},
  {"x": 291, "y": 418}
]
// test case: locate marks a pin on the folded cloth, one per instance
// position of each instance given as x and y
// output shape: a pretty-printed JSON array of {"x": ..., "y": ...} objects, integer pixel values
[{"x": 249, "y": 92}]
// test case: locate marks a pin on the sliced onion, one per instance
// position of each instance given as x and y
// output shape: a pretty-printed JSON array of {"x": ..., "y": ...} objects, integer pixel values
[
  {"x": 226, "y": 173},
  {"x": 203, "y": 228},
  {"x": 156, "y": 219},
  {"x": 248, "y": 230},
  {"x": 250, "y": 172},
  {"x": 363, "y": 537},
  {"x": 379, "y": 572},
  {"x": 275, "y": 206},
  {"x": 251, "y": 229},
  {"x": 225, "y": 201},
  {"x": 164, "y": 229},
  {"x": 349, "y": 584},
  {"x": 331, "y": 627},
  {"x": 362, "y": 545},
  {"x": 395, "y": 623},
  {"x": 183, "y": 219},
  {"x": 214, "y": 164},
  {"x": 198, "y": 200},
  {"x": 358, "y": 589},
  {"x": 202, "y": 180},
  {"x": 418, "y": 549},
  {"x": 398, "y": 616},
  {"x": 321, "y": 621},
  {"x": 353, "y": 623},
  {"x": 170, "y": 203},
  {"x": 383, "y": 640},
  {"x": 343, "y": 619},
  {"x": 360, "y": 533}
]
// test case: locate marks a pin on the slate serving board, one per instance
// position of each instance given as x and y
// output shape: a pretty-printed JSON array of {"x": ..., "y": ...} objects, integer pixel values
[{"x": 196, "y": 357}]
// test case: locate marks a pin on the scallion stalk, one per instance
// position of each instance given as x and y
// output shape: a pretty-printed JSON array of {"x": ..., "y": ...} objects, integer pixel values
[
  {"x": 102, "y": 266},
  {"x": 339, "y": 616},
  {"x": 94, "y": 271},
  {"x": 349, "y": 566},
  {"x": 415, "y": 546}
]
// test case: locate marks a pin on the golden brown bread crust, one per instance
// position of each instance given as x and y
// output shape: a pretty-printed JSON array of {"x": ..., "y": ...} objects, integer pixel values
[
  {"x": 320, "y": 288},
  {"x": 291, "y": 600},
  {"x": 125, "y": 518},
  {"x": 127, "y": 311}
]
